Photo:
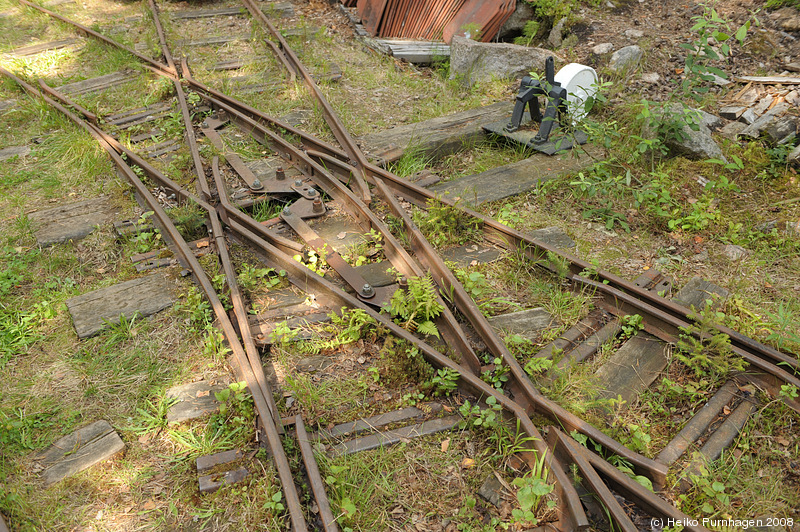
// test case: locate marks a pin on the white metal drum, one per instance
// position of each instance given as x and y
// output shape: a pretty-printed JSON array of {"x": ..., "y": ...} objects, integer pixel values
[{"x": 581, "y": 84}]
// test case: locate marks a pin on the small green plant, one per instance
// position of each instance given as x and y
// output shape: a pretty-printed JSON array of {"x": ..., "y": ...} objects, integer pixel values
[
  {"x": 705, "y": 350},
  {"x": 558, "y": 264},
  {"x": 282, "y": 334},
  {"x": 120, "y": 331},
  {"x": 711, "y": 44},
  {"x": 236, "y": 413},
  {"x": 146, "y": 238},
  {"x": 480, "y": 290},
  {"x": 413, "y": 398},
  {"x": 789, "y": 391},
  {"x": 536, "y": 366},
  {"x": 417, "y": 307},
  {"x": 153, "y": 418},
  {"x": 706, "y": 496},
  {"x": 444, "y": 225},
  {"x": 477, "y": 417},
  {"x": 274, "y": 504},
  {"x": 19, "y": 427},
  {"x": 314, "y": 261},
  {"x": 701, "y": 215},
  {"x": 529, "y": 33},
  {"x": 531, "y": 490},
  {"x": 215, "y": 346},
  {"x": 251, "y": 278},
  {"x": 497, "y": 377},
  {"x": 18, "y": 331},
  {"x": 631, "y": 324},
  {"x": 445, "y": 381},
  {"x": 194, "y": 307}
]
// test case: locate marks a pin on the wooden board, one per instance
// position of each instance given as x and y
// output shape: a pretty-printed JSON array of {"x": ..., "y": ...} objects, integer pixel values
[
  {"x": 72, "y": 221},
  {"x": 283, "y": 9},
  {"x": 14, "y": 151},
  {"x": 194, "y": 400},
  {"x": 373, "y": 422},
  {"x": 526, "y": 323},
  {"x": 697, "y": 291},
  {"x": 436, "y": 137},
  {"x": 99, "y": 83},
  {"x": 82, "y": 449},
  {"x": 146, "y": 296},
  {"x": 515, "y": 178},
  {"x": 633, "y": 368},
  {"x": 383, "y": 439},
  {"x": 43, "y": 47},
  {"x": 208, "y": 41},
  {"x": 554, "y": 236},
  {"x": 471, "y": 254}
]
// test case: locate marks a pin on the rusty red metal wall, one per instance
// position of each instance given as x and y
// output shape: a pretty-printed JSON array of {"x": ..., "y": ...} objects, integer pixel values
[{"x": 434, "y": 19}]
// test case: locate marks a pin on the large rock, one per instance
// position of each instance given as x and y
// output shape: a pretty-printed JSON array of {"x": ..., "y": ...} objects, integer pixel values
[
  {"x": 788, "y": 19},
  {"x": 474, "y": 62},
  {"x": 625, "y": 59},
  {"x": 697, "y": 144},
  {"x": 758, "y": 126},
  {"x": 516, "y": 22},
  {"x": 794, "y": 157},
  {"x": 554, "y": 39}
]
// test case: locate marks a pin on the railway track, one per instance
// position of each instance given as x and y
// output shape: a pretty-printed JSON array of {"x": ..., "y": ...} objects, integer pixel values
[{"x": 314, "y": 179}]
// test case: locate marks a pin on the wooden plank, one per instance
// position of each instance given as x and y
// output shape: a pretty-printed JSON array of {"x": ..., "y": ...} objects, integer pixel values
[
  {"x": 193, "y": 400},
  {"x": 697, "y": 425},
  {"x": 14, "y": 151},
  {"x": 282, "y": 9},
  {"x": 785, "y": 80},
  {"x": 471, "y": 254},
  {"x": 436, "y": 137},
  {"x": 72, "y": 221},
  {"x": 208, "y": 41},
  {"x": 526, "y": 323},
  {"x": 79, "y": 450},
  {"x": 516, "y": 178},
  {"x": 373, "y": 422},
  {"x": 99, "y": 83},
  {"x": 34, "y": 49},
  {"x": 211, "y": 483},
  {"x": 340, "y": 232},
  {"x": 383, "y": 439},
  {"x": 145, "y": 296},
  {"x": 207, "y": 13},
  {"x": 697, "y": 291},
  {"x": 554, "y": 236},
  {"x": 633, "y": 368}
]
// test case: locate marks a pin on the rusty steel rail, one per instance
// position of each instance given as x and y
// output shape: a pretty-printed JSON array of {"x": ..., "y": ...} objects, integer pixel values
[
  {"x": 314, "y": 476},
  {"x": 202, "y": 183},
  {"x": 334, "y": 122}
]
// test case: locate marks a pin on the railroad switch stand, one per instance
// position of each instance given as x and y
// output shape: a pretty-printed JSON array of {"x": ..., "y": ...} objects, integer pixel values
[{"x": 558, "y": 89}]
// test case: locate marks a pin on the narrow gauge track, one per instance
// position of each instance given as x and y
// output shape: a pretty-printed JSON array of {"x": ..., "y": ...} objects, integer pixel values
[{"x": 331, "y": 169}]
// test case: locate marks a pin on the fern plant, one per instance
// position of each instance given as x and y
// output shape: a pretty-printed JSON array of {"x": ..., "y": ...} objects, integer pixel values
[{"x": 416, "y": 308}]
